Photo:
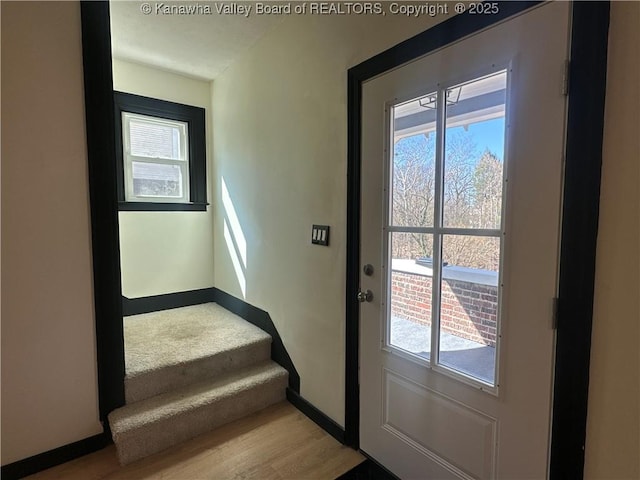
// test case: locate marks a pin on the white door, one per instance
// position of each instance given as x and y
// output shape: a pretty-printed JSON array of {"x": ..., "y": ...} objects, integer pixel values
[{"x": 462, "y": 154}]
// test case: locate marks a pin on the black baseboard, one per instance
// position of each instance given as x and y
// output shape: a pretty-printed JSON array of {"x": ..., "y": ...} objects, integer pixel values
[
  {"x": 57, "y": 456},
  {"x": 331, "y": 427},
  {"x": 155, "y": 303},
  {"x": 368, "y": 470},
  {"x": 262, "y": 320}
]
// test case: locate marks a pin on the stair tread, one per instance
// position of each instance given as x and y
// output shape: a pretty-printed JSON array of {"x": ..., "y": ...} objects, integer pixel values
[
  {"x": 191, "y": 397},
  {"x": 166, "y": 338}
]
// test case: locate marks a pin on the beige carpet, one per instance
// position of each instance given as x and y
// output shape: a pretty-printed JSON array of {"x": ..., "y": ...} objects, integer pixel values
[
  {"x": 189, "y": 370},
  {"x": 149, "y": 426},
  {"x": 172, "y": 348}
]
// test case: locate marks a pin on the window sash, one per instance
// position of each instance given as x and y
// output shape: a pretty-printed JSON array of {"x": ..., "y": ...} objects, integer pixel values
[
  {"x": 441, "y": 102},
  {"x": 129, "y": 159},
  {"x": 130, "y": 195},
  {"x": 182, "y": 127}
]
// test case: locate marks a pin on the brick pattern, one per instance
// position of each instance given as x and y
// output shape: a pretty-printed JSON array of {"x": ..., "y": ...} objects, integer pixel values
[{"x": 468, "y": 310}]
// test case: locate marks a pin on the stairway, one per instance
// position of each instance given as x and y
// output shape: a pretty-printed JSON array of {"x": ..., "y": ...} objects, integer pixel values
[{"x": 188, "y": 371}]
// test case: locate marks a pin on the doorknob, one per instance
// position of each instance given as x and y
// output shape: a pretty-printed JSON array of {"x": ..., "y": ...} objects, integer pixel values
[{"x": 365, "y": 296}]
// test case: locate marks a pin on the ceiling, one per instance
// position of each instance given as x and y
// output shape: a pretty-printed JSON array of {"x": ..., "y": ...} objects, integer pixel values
[{"x": 200, "y": 45}]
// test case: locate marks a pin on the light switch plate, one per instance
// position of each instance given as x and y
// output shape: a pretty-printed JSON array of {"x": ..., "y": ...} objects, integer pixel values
[{"x": 320, "y": 235}]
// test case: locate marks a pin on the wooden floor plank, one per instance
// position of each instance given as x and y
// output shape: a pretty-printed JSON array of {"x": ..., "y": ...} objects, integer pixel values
[{"x": 276, "y": 443}]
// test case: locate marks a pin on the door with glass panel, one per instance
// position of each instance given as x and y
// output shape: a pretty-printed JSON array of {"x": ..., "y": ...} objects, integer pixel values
[{"x": 461, "y": 190}]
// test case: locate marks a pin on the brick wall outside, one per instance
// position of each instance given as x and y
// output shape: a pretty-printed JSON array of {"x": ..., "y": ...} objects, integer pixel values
[{"x": 468, "y": 310}]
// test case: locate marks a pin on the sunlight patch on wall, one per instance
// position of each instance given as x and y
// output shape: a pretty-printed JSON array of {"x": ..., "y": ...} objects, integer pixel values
[
  {"x": 235, "y": 239},
  {"x": 234, "y": 223}
]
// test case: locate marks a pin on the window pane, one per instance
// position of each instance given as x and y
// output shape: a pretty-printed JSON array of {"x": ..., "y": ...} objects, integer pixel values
[
  {"x": 157, "y": 139},
  {"x": 469, "y": 305},
  {"x": 157, "y": 180},
  {"x": 413, "y": 162},
  {"x": 410, "y": 295},
  {"x": 474, "y": 153}
]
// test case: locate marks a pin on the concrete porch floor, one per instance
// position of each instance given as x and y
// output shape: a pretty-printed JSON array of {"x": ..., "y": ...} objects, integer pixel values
[{"x": 466, "y": 356}]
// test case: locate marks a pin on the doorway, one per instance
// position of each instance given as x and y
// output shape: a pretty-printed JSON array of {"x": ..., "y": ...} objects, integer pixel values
[{"x": 465, "y": 148}]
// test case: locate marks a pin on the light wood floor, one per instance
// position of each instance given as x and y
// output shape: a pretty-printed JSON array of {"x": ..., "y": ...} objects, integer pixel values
[{"x": 276, "y": 443}]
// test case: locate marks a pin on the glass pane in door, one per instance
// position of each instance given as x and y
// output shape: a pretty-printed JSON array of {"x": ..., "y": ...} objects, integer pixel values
[
  {"x": 474, "y": 152},
  {"x": 411, "y": 292},
  {"x": 470, "y": 305},
  {"x": 413, "y": 162}
]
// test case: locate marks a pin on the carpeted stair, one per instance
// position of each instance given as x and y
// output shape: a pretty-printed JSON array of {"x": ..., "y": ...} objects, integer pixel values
[{"x": 188, "y": 371}]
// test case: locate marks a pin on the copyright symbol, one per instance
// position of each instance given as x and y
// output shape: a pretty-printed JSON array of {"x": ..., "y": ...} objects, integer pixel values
[
  {"x": 145, "y": 8},
  {"x": 459, "y": 8}
]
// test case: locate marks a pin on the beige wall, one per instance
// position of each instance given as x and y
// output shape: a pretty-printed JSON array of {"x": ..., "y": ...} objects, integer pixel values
[
  {"x": 164, "y": 252},
  {"x": 613, "y": 430},
  {"x": 49, "y": 386},
  {"x": 280, "y": 143}
]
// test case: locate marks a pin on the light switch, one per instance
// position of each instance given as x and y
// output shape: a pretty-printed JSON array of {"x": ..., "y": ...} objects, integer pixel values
[{"x": 320, "y": 235}]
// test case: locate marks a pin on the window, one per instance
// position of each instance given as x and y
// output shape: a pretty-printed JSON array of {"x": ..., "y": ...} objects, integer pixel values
[
  {"x": 445, "y": 223},
  {"x": 161, "y": 154}
]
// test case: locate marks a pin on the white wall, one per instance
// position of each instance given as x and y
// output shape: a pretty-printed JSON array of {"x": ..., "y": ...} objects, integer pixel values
[
  {"x": 49, "y": 385},
  {"x": 613, "y": 430},
  {"x": 164, "y": 252},
  {"x": 280, "y": 146}
]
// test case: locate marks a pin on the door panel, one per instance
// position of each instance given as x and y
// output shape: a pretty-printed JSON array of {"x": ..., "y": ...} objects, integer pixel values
[
  {"x": 456, "y": 353},
  {"x": 452, "y": 431}
]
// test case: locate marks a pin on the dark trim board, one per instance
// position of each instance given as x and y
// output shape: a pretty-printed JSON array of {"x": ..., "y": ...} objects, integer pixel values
[
  {"x": 155, "y": 303},
  {"x": 368, "y": 470},
  {"x": 589, "y": 39},
  {"x": 161, "y": 207},
  {"x": 352, "y": 307},
  {"x": 323, "y": 421},
  {"x": 57, "y": 456},
  {"x": 261, "y": 319},
  {"x": 589, "y": 42},
  {"x": 99, "y": 111}
]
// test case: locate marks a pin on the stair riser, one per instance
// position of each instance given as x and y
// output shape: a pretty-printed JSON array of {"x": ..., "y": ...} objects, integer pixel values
[
  {"x": 153, "y": 383},
  {"x": 152, "y": 438}
]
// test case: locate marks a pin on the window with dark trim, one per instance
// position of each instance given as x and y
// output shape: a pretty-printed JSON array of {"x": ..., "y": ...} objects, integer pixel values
[{"x": 161, "y": 154}]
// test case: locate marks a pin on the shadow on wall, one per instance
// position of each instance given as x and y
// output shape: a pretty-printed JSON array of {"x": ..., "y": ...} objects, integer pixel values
[
  {"x": 472, "y": 310},
  {"x": 235, "y": 239},
  {"x": 236, "y": 243}
]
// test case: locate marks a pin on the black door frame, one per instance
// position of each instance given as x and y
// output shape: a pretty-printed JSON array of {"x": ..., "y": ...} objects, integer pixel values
[
  {"x": 585, "y": 122},
  {"x": 105, "y": 233}
]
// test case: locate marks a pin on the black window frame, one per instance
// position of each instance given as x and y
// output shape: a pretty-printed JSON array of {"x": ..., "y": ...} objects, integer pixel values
[{"x": 195, "y": 119}]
